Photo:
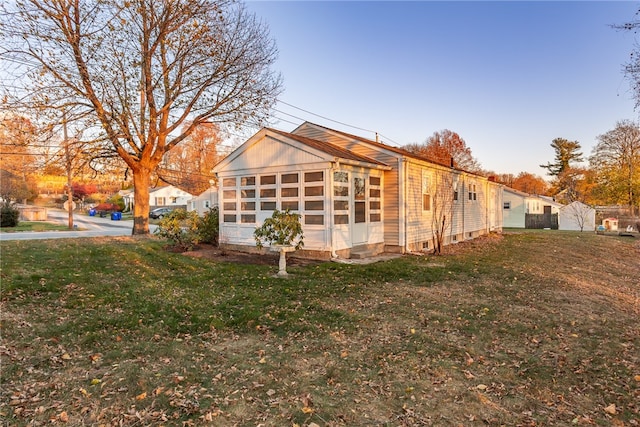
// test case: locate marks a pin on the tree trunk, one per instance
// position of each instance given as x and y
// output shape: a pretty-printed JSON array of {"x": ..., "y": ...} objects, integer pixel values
[{"x": 141, "y": 182}]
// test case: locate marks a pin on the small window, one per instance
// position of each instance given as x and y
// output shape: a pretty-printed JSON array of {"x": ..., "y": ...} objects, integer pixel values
[
  {"x": 268, "y": 180},
  {"x": 247, "y": 218},
  {"x": 229, "y": 194},
  {"x": 374, "y": 192},
  {"x": 374, "y": 180},
  {"x": 374, "y": 217},
  {"x": 247, "y": 181},
  {"x": 341, "y": 177},
  {"x": 173, "y": 200},
  {"x": 314, "y": 205},
  {"x": 313, "y": 191},
  {"x": 229, "y": 182},
  {"x": 341, "y": 205},
  {"x": 426, "y": 202},
  {"x": 289, "y": 192},
  {"x": 229, "y": 218},
  {"x": 290, "y": 205},
  {"x": 207, "y": 204},
  {"x": 340, "y": 191},
  {"x": 313, "y": 176},
  {"x": 248, "y": 194},
  {"x": 374, "y": 205},
  {"x": 341, "y": 219},
  {"x": 267, "y": 192},
  {"x": 289, "y": 178},
  {"x": 507, "y": 205},
  {"x": 314, "y": 219},
  {"x": 229, "y": 206},
  {"x": 426, "y": 191},
  {"x": 248, "y": 206},
  {"x": 455, "y": 196},
  {"x": 268, "y": 206}
]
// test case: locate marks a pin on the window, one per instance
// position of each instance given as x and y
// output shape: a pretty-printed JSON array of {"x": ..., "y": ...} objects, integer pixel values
[
  {"x": 247, "y": 181},
  {"x": 229, "y": 194},
  {"x": 314, "y": 219},
  {"x": 507, "y": 205},
  {"x": 426, "y": 191},
  {"x": 472, "y": 192},
  {"x": 160, "y": 201},
  {"x": 341, "y": 198},
  {"x": 267, "y": 206},
  {"x": 375, "y": 201},
  {"x": 289, "y": 192},
  {"x": 314, "y": 176},
  {"x": 290, "y": 205},
  {"x": 266, "y": 193},
  {"x": 268, "y": 180},
  {"x": 207, "y": 204},
  {"x": 289, "y": 178},
  {"x": 229, "y": 182},
  {"x": 173, "y": 200}
]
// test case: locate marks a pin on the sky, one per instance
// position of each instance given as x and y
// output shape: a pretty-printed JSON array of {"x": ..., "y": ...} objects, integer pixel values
[{"x": 507, "y": 76}]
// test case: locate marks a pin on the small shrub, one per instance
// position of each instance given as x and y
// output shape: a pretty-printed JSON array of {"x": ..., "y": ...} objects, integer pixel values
[
  {"x": 208, "y": 226},
  {"x": 283, "y": 228},
  {"x": 180, "y": 228},
  {"x": 9, "y": 215}
]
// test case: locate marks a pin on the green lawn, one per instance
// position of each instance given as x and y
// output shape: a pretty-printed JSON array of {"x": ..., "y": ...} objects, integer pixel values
[
  {"x": 34, "y": 226},
  {"x": 532, "y": 328}
]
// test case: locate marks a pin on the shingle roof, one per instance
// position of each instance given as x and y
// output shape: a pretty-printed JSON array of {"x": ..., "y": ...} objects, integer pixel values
[
  {"x": 396, "y": 150},
  {"x": 328, "y": 148}
]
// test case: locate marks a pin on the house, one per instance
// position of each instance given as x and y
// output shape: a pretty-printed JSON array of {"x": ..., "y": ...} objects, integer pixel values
[
  {"x": 577, "y": 216},
  {"x": 517, "y": 205},
  {"x": 165, "y": 196},
  {"x": 356, "y": 197},
  {"x": 205, "y": 201}
]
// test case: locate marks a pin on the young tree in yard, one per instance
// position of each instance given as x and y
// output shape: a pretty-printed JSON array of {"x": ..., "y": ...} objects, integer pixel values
[
  {"x": 616, "y": 162},
  {"x": 440, "y": 187},
  {"x": 142, "y": 69},
  {"x": 444, "y": 147}
]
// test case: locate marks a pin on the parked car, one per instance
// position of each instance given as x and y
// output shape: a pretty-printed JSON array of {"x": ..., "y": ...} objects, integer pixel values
[{"x": 158, "y": 213}]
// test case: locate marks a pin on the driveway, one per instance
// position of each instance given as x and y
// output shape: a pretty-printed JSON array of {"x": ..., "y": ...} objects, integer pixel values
[{"x": 89, "y": 226}]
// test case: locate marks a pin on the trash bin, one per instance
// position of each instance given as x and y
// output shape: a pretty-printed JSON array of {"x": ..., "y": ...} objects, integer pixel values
[
  {"x": 92, "y": 212},
  {"x": 116, "y": 216}
]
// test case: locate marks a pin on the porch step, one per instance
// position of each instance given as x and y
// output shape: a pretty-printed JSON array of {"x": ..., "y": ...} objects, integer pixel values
[{"x": 362, "y": 253}]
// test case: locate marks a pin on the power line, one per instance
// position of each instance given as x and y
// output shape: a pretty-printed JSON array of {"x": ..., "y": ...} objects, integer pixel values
[{"x": 332, "y": 120}]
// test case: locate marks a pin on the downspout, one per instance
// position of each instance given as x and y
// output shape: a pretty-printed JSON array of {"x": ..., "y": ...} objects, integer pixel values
[
  {"x": 464, "y": 218},
  {"x": 332, "y": 247},
  {"x": 402, "y": 193}
]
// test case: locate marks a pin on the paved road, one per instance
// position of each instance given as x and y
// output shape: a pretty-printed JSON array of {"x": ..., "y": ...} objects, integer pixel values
[{"x": 90, "y": 226}]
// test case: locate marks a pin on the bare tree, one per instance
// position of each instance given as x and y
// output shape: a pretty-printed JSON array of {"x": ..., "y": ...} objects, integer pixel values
[
  {"x": 580, "y": 213},
  {"x": 141, "y": 69},
  {"x": 442, "y": 203}
]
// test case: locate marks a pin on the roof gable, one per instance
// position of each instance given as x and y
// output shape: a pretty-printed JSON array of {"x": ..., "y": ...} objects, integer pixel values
[{"x": 276, "y": 148}]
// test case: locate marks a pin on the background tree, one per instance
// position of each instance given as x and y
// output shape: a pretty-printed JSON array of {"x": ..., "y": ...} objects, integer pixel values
[
  {"x": 530, "y": 183},
  {"x": 615, "y": 161},
  {"x": 142, "y": 69},
  {"x": 189, "y": 165},
  {"x": 17, "y": 161},
  {"x": 442, "y": 147},
  {"x": 566, "y": 153}
]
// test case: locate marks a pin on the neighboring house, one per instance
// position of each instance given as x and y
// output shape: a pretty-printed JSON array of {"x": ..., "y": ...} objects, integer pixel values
[
  {"x": 577, "y": 216},
  {"x": 205, "y": 201},
  {"x": 517, "y": 204},
  {"x": 356, "y": 197},
  {"x": 167, "y": 195}
]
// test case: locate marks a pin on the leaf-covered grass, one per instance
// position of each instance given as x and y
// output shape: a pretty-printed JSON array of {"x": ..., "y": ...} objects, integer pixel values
[{"x": 535, "y": 328}]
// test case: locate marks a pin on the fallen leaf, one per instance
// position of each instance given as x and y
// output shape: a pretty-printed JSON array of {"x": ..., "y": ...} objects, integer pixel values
[
  {"x": 262, "y": 361},
  {"x": 481, "y": 387},
  {"x": 271, "y": 392},
  {"x": 66, "y": 356},
  {"x": 95, "y": 381},
  {"x": 307, "y": 410},
  {"x": 637, "y": 378},
  {"x": 63, "y": 416},
  {"x": 611, "y": 409},
  {"x": 141, "y": 396}
]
